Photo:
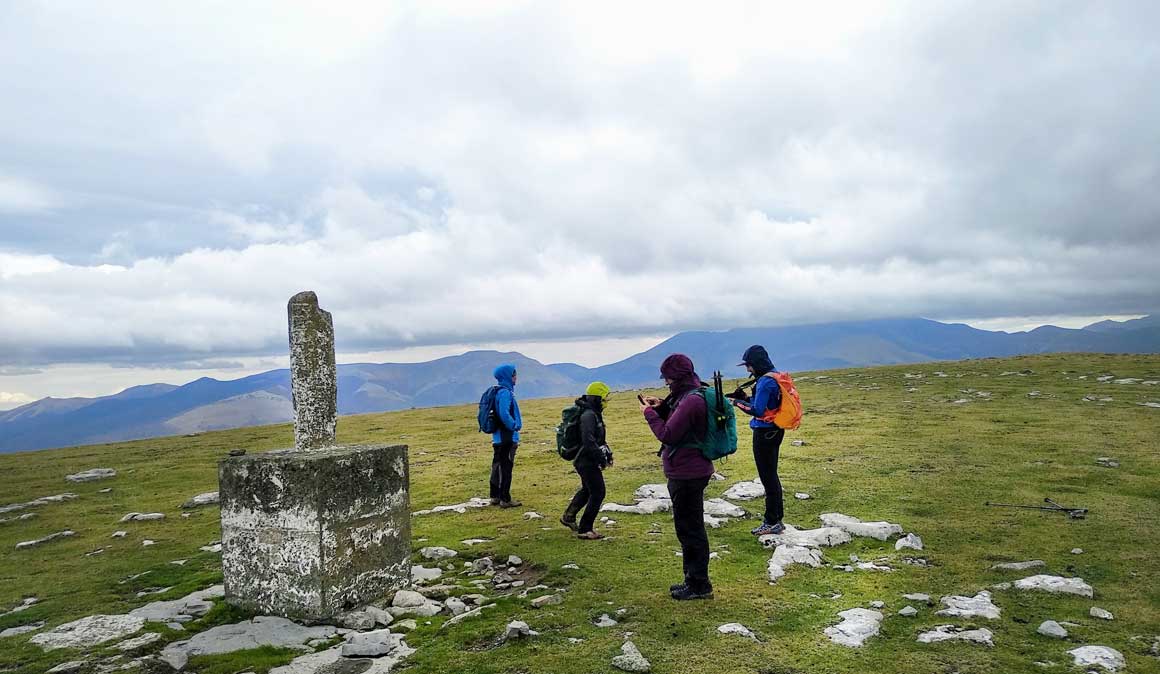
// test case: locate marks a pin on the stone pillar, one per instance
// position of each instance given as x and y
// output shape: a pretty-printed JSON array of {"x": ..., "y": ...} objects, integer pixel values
[
  {"x": 310, "y": 532},
  {"x": 313, "y": 374}
]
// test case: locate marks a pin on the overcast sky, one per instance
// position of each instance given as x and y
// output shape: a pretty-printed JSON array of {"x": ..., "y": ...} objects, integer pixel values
[{"x": 448, "y": 175}]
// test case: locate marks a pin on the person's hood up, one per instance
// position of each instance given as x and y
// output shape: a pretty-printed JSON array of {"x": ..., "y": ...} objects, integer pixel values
[
  {"x": 757, "y": 358},
  {"x": 678, "y": 368},
  {"x": 504, "y": 374}
]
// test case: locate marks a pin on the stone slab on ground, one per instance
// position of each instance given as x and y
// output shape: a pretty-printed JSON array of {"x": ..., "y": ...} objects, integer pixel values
[
  {"x": 306, "y": 534},
  {"x": 89, "y": 631},
  {"x": 858, "y": 625},
  {"x": 1055, "y": 585},
  {"x": 786, "y": 555},
  {"x": 648, "y": 506},
  {"x": 24, "y": 545},
  {"x": 978, "y": 606},
  {"x": 205, "y": 499},
  {"x": 1050, "y": 628},
  {"x": 856, "y": 527},
  {"x": 631, "y": 659},
  {"x": 459, "y": 508},
  {"x": 331, "y": 661},
  {"x": 738, "y": 629},
  {"x": 261, "y": 631},
  {"x": 953, "y": 633},
  {"x": 909, "y": 541},
  {"x": 370, "y": 644},
  {"x": 1019, "y": 566},
  {"x": 745, "y": 491},
  {"x": 91, "y": 475},
  {"x": 810, "y": 538},
  {"x": 1097, "y": 656},
  {"x": 21, "y": 629},
  {"x": 651, "y": 491},
  {"x": 192, "y": 605}
]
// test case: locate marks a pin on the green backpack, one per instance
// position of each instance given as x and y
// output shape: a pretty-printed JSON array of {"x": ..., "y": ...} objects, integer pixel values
[
  {"x": 568, "y": 433},
  {"x": 721, "y": 426}
]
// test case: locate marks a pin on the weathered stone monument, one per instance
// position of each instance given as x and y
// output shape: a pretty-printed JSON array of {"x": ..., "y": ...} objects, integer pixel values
[{"x": 313, "y": 531}]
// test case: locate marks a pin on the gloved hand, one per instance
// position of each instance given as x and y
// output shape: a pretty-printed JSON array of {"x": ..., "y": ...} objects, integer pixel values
[
  {"x": 607, "y": 452},
  {"x": 739, "y": 394}
]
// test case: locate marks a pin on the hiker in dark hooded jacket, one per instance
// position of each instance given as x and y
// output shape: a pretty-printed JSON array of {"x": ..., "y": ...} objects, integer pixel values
[
  {"x": 767, "y": 436},
  {"x": 680, "y": 423},
  {"x": 589, "y": 463},
  {"x": 506, "y": 438}
]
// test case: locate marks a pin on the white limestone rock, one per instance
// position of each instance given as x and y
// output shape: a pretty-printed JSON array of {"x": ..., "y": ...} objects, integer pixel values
[
  {"x": 952, "y": 633},
  {"x": 142, "y": 517},
  {"x": 908, "y": 541},
  {"x": 191, "y": 606},
  {"x": 858, "y": 625},
  {"x": 856, "y": 527},
  {"x": 437, "y": 552},
  {"x": 331, "y": 661},
  {"x": 454, "y": 620},
  {"x": 1019, "y": 566},
  {"x": 648, "y": 506},
  {"x": 1097, "y": 656},
  {"x": 91, "y": 475},
  {"x": 518, "y": 629},
  {"x": 261, "y": 631},
  {"x": 473, "y": 541},
  {"x": 1050, "y": 628},
  {"x": 88, "y": 632},
  {"x": 24, "y": 545},
  {"x": 650, "y": 491},
  {"x": 68, "y": 667},
  {"x": 810, "y": 538},
  {"x": 205, "y": 499},
  {"x": 738, "y": 629},
  {"x": 908, "y": 611},
  {"x": 917, "y": 596},
  {"x": 357, "y": 620},
  {"x": 138, "y": 642},
  {"x": 784, "y": 555},
  {"x": 605, "y": 620},
  {"x": 979, "y": 606},
  {"x": 514, "y": 560},
  {"x": 455, "y": 605},
  {"x": 745, "y": 491},
  {"x": 631, "y": 659},
  {"x": 369, "y": 644},
  {"x": 460, "y": 508},
  {"x": 547, "y": 600},
  {"x": 533, "y": 515},
  {"x": 1055, "y": 585},
  {"x": 1077, "y": 551},
  {"x": 1102, "y": 614},
  {"x": 422, "y": 574},
  {"x": 21, "y": 629},
  {"x": 802, "y": 496},
  {"x": 722, "y": 508}
]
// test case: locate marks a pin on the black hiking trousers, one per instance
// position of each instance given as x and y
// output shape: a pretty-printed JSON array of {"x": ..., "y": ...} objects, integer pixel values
[
  {"x": 589, "y": 496},
  {"x": 502, "y": 461},
  {"x": 688, "y": 498},
  {"x": 766, "y": 446}
]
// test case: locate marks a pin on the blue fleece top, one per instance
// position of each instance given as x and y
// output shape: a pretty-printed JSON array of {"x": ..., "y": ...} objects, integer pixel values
[
  {"x": 766, "y": 396},
  {"x": 506, "y": 407}
]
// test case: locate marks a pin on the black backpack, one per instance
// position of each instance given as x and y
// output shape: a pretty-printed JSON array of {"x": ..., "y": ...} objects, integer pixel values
[
  {"x": 488, "y": 419},
  {"x": 568, "y": 439}
]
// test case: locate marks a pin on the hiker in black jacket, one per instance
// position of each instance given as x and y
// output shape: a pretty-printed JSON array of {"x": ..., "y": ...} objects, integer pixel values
[{"x": 594, "y": 455}]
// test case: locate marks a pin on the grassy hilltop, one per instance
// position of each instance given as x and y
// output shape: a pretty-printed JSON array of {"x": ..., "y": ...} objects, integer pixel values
[{"x": 875, "y": 450}]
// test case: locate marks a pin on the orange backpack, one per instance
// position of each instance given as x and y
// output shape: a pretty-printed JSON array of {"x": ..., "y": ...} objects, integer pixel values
[{"x": 788, "y": 415}]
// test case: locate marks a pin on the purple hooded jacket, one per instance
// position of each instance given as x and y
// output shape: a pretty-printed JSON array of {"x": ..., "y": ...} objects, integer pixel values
[{"x": 679, "y": 422}]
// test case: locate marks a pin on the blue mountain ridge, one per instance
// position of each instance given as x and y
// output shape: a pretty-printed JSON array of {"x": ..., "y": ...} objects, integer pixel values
[{"x": 162, "y": 409}]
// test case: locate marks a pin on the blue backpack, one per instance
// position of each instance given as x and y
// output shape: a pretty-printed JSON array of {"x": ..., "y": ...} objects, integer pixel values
[{"x": 488, "y": 419}]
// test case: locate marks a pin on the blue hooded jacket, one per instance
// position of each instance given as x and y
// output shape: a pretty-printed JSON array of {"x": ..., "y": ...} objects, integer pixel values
[
  {"x": 766, "y": 392},
  {"x": 506, "y": 407}
]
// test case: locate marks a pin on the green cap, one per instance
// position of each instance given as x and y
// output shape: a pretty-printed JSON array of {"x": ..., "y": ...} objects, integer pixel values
[{"x": 598, "y": 388}]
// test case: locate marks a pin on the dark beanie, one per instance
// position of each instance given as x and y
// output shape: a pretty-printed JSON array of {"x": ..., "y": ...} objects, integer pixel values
[{"x": 757, "y": 358}]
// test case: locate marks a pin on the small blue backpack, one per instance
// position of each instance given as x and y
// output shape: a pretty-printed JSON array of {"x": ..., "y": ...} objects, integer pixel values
[{"x": 488, "y": 419}]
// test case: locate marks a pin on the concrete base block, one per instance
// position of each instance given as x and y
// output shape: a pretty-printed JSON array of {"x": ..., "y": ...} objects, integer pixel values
[{"x": 311, "y": 534}]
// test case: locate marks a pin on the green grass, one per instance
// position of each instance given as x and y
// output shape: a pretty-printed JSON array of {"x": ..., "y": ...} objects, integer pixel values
[{"x": 875, "y": 451}]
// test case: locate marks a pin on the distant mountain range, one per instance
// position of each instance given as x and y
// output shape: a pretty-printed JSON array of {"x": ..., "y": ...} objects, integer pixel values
[{"x": 208, "y": 404}]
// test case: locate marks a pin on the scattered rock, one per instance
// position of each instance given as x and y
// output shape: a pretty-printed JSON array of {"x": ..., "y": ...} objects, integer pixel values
[
  {"x": 799, "y": 443},
  {"x": 142, "y": 517},
  {"x": 571, "y": 566},
  {"x": 908, "y": 611},
  {"x": 208, "y": 498},
  {"x": 370, "y": 644},
  {"x": 147, "y": 542},
  {"x": 648, "y": 506},
  {"x": 856, "y": 527},
  {"x": 858, "y": 625},
  {"x": 631, "y": 659},
  {"x": 514, "y": 560},
  {"x": 802, "y": 496},
  {"x": 1055, "y": 585},
  {"x": 718, "y": 477},
  {"x": 1107, "y": 462},
  {"x": 331, "y": 661},
  {"x": 261, "y": 631},
  {"x": 737, "y": 628},
  {"x": 191, "y": 606},
  {"x": 357, "y": 620},
  {"x": 605, "y": 620},
  {"x": 877, "y": 604},
  {"x": 216, "y": 546},
  {"x": 1077, "y": 551},
  {"x": 1019, "y": 566},
  {"x": 406, "y": 624},
  {"x": 474, "y": 502},
  {"x": 464, "y": 616},
  {"x": 745, "y": 491},
  {"x": 784, "y": 555},
  {"x": 482, "y": 565},
  {"x": 547, "y": 600},
  {"x": 518, "y": 629},
  {"x": 1097, "y": 612},
  {"x": 533, "y": 515},
  {"x": 91, "y": 475},
  {"x": 917, "y": 596},
  {"x": 24, "y": 545},
  {"x": 908, "y": 541},
  {"x": 649, "y": 491},
  {"x": 437, "y": 553},
  {"x": 979, "y": 606},
  {"x": 68, "y": 667},
  {"x": 952, "y": 633},
  {"x": 21, "y": 629},
  {"x": 472, "y": 541},
  {"x": 422, "y": 574},
  {"x": 138, "y": 642},
  {"x": 1050, "y": 628},
  {"x": 88, "y": 631},
  {"x": 810, "y": 538},
  {"x": 722, "y": 508},
  {"x": 1097, "y": 656}
]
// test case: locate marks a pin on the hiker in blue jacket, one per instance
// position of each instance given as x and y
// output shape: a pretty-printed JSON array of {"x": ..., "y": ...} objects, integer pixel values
[
  {"x": 506, "y": 439},
  {"x": 767, "y": 436}
]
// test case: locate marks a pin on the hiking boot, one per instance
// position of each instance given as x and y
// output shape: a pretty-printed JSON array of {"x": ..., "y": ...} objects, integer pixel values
[
  {"x": 510, "y": 504},
  {"x": 568, "y": 522},
  {"x": 767, "y": 529},
  {"x": 686, "y": 593},
  {"x": 590, "y": 535},
  {"x": 493, "y": 501},
  {"x": 677, "y": 586}
]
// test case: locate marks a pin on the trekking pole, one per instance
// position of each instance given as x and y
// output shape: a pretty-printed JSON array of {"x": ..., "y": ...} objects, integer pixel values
[{"x": 1074, "y": 513}]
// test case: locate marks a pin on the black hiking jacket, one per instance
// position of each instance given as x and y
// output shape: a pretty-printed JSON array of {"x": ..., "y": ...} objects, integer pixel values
[{"x": 592, "y": 436}]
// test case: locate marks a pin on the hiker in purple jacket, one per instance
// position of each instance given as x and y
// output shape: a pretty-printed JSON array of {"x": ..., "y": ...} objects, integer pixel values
[{"x": 679, "y": 422}]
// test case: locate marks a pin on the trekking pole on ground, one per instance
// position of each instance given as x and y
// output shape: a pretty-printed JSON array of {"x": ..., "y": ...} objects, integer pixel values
[{"x": 1073, "y": 513}]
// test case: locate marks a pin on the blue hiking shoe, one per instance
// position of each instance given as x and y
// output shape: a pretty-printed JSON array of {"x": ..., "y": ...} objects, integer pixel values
[{"x": 767, "y": 529}]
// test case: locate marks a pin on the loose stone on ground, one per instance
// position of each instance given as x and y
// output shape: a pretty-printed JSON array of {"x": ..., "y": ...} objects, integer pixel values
[
  {"x": 208, "y": 498},
  {"x": 738, "y": 629},
  {"x": 631, "y": 659},
  {"x": 1050, "y": 628},
  {"x": 261, "y": 631},
  {"x": 24, "y": 545},
  {"x": 856, "y": 527},
  {"x": 1054, "y": 585},
  {"x": 88, "y": 631},
  {"x": 1097, "y": 656},
  {"x": 1019, "y": 566},
  {"x": 91, "y": 475},
  {"x": 952, "y": 633},
  {"x": 979, "y": 606},
  {"x": 858, "y": 625}
]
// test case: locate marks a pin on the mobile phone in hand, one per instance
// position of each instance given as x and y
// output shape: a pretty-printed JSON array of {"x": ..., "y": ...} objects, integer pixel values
[{"x": 641, "y": 399}]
